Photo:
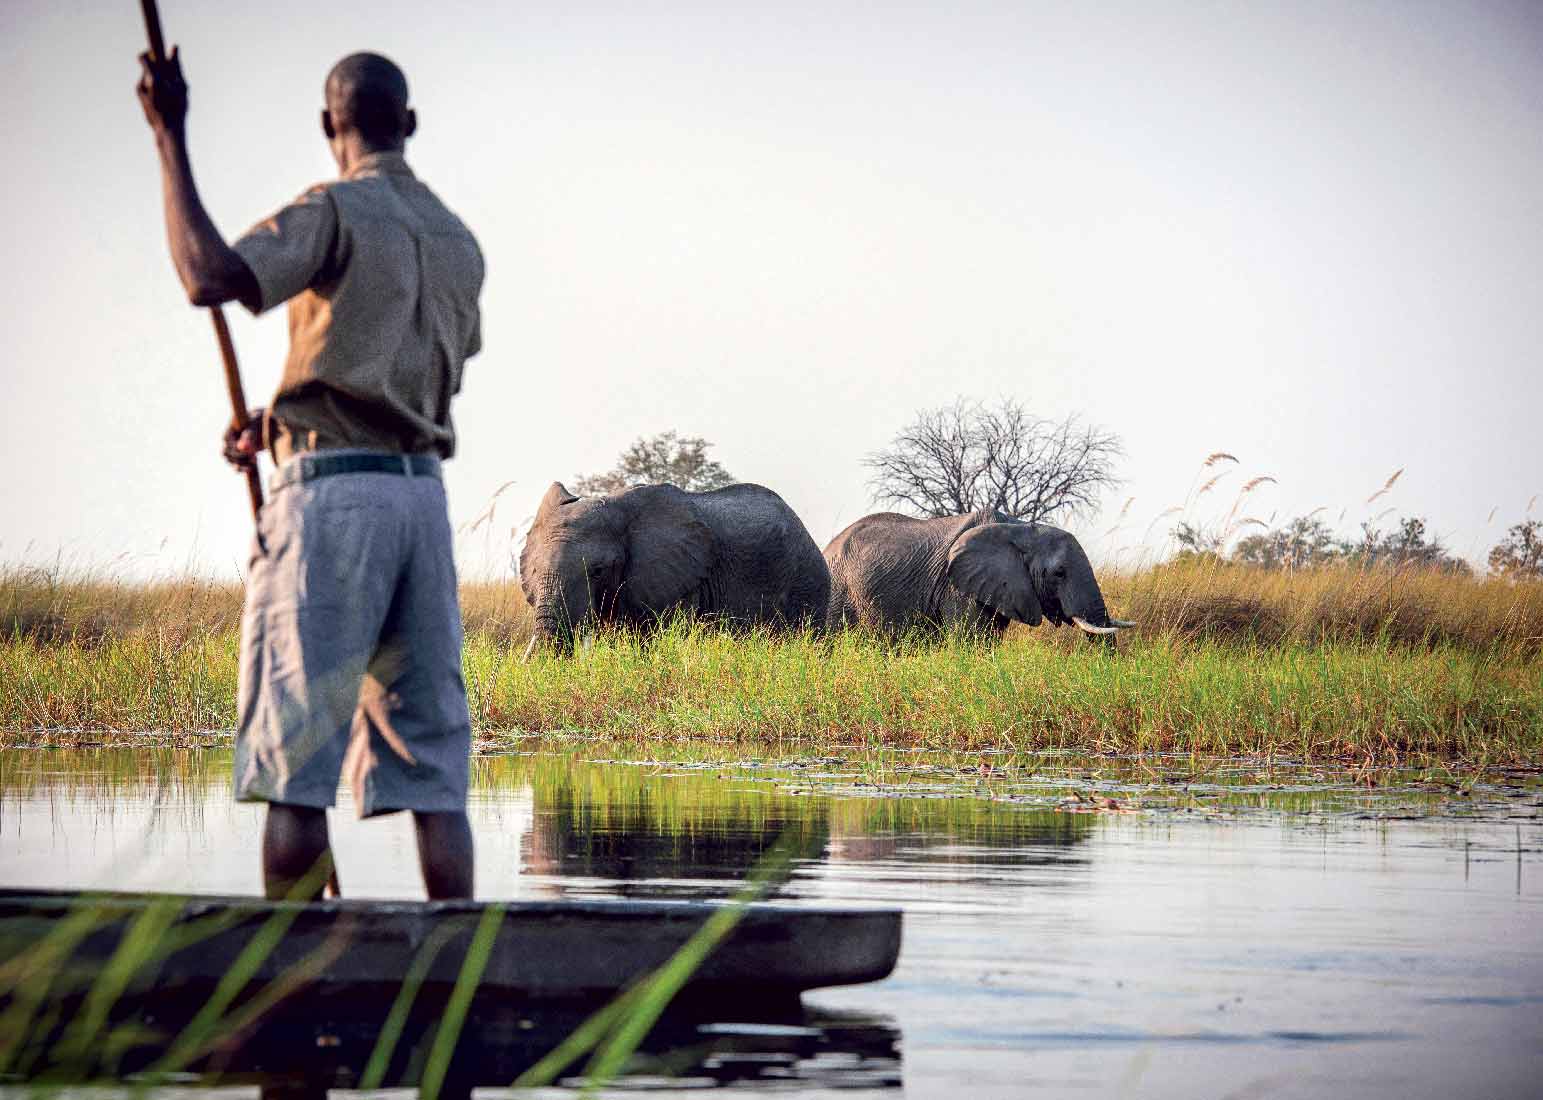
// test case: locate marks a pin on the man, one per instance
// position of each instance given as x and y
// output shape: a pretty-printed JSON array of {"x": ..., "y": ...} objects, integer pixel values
[{"x": 351, "y": 633}]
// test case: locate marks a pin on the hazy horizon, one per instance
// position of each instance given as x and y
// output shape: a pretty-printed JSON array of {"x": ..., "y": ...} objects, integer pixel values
[{"x": 1309, "y": 235}]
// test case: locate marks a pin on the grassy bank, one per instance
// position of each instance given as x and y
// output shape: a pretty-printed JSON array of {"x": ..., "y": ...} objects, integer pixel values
[{"x": 1330, "y": 664}]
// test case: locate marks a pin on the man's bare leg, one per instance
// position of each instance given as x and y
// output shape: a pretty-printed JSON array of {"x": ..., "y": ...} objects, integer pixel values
[
  {"x": 445, "y": 854},
  {"x": 297, "y": 858}
]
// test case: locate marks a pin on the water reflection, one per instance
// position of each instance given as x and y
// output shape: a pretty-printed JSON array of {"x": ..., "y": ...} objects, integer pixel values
[
  {"x": 1266, "y": 930},
  {"x": 632, "y": 831}
]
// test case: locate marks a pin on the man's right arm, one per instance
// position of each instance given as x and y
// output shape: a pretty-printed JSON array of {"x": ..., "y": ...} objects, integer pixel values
[{"x": 211, "y": 271}]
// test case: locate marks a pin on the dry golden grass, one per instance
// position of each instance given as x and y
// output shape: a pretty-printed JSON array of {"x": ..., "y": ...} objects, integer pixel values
[
  {"x": 1199, "y": 599},
  {"x": 91, "y": 608},
  {"x": 1415, "y": 608}
]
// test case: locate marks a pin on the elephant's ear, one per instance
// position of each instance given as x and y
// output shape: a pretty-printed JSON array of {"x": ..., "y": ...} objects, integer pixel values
[
  {"x": 556, "y": 496},
  {"x": 988, "y": 563},
  {"x": 669, "y": 549}
]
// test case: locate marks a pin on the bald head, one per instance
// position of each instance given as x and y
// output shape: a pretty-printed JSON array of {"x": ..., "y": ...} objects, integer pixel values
[{"x": 367, "y": 97}]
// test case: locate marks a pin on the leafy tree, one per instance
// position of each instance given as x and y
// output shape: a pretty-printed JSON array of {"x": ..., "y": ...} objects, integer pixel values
[
  {"x": 1407, "y": 545},
  {"x": 1195, "y": 542},
  {"x": 663, "y": 459},
  {"x": 1520, "y": 553},
  {"x": 968, "y": 456},
  {"x": 1303, "y": 543}
]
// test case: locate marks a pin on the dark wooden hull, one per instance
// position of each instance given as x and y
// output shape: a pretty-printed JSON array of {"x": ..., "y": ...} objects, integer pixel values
[
  {"x": 568, "y": 949},
  {"x": 329, "y": 974}
]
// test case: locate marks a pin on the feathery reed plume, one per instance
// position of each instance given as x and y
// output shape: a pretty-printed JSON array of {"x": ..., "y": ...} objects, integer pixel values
[
  {"x": 1175, "y": 510},
  {"x": 1210, "y": 460},
  {"x": 1208, "y": 486},
  {"x": 1386, "y": 485},
  {"x": 1530, "y": 503},
  {"x": 1119, "y": 519},
  {"x": 1491, "y": 517},
  {"x": 1384, "y": 512},
  {"x": 487, "y": 515},
  {"x": 1237, "y": 502}
]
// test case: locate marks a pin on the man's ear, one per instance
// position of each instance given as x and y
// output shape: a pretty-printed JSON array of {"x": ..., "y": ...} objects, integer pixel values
[
  {"x": 326, "y": 124},
  {"x": 412, "y": 124}
]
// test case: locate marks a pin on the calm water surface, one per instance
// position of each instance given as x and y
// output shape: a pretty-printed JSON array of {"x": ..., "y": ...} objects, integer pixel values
[{"x": 1072, "y": 928}]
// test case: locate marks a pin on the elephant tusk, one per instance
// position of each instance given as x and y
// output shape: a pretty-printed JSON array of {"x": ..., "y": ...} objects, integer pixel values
[
  {"x": 1091, "y": 629},
  {"x": 525, "y": 660},
  {"x": 1123, "y": 624}
]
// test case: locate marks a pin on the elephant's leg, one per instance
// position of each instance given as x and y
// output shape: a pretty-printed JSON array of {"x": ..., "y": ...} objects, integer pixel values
[
  {"x": 840, "y": 614},
  {"x": 807, "y": 604}
]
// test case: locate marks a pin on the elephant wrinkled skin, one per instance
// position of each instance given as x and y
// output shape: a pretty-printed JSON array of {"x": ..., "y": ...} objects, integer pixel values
[
  {"x": 983, "y": 571},
  {"x": 737, "y": 555}
]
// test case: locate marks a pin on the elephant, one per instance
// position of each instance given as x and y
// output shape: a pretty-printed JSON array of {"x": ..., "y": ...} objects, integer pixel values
[
  {"x": 738, "y": 555},
  {"x": 982, "y": 570}
]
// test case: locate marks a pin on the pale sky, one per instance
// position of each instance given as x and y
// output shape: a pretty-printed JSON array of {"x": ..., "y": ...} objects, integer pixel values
[{"x": 1309, "y": 234}]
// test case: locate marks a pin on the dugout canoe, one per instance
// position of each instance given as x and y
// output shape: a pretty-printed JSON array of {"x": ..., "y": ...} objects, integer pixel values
[{"x": 542, "y": 949}]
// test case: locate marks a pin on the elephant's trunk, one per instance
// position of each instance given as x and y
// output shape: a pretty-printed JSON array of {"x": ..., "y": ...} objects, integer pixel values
[
  {"x": 1095, "y": 619},
  {"x": 551, "y": 632}
]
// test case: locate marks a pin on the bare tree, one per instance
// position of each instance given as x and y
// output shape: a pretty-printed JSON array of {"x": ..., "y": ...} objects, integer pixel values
[
  {"x": 663, "y": 459},
  {"x": 969, "y": 456}
]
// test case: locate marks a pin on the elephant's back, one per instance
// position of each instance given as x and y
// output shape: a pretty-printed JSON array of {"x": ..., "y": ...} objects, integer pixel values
[
  {"x": 749, "y": 514},
  {"x": 769, "y": 565},
  {"x": 893, "y": 535},
  {"x": 888, "y": 570}
]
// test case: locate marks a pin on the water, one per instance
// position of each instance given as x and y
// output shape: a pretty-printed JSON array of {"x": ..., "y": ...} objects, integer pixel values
[{"x": 1072, "y": 927}]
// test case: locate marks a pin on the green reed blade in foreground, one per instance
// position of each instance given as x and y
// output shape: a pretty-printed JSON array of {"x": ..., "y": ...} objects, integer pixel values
[
  {"x": 29, "y": 977},
  {"x": 615, "y": 1031},
  {"x": 135, "y": 950},
  {"x": 476, "y": 961},
  {"x": 396, "y": 1020},
  {"x": 196, "y": 1036}
]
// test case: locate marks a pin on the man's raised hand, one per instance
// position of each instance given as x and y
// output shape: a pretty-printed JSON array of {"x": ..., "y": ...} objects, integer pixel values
[{"x": 163, "y": 93}]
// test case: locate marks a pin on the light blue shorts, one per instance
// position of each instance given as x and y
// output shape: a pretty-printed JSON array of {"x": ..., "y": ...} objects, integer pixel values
[{"x": 351, "y": 647}]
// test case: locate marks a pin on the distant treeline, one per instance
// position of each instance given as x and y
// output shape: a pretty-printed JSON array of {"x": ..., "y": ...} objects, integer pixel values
[{"x": 1306, "y": 542}]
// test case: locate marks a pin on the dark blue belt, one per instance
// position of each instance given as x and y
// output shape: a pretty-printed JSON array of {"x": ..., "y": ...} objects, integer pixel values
[{"x": 311, "y": 467}]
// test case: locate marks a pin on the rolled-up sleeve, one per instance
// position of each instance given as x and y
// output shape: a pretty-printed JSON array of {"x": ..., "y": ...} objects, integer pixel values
[{"x": 290, "y": 251}]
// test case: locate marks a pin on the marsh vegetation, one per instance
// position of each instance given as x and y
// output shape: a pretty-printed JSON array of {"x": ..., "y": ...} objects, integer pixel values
[{"x": 1330, "y": 663}]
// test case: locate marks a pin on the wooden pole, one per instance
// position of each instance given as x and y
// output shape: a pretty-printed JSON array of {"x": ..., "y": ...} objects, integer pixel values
[{"x": 240, "y": 417}]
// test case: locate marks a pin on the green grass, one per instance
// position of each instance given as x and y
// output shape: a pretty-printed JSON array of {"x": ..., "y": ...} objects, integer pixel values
[
  {"x": 1333, "y": 700},
  {"x": 1312, "y": 702},
  {"x": 1325, "y": 665}
]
